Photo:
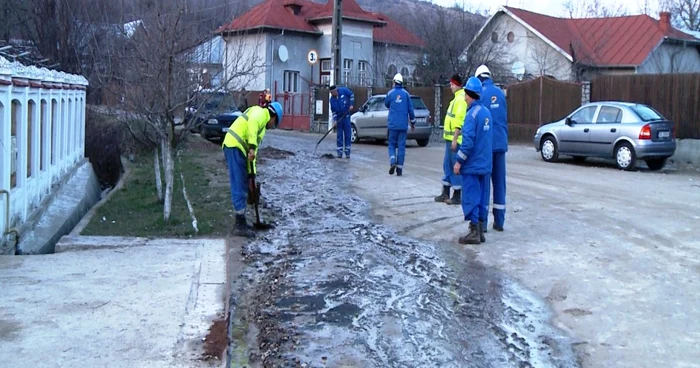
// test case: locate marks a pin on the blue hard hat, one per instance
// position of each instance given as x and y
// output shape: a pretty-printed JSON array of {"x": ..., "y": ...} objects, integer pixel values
[
  {"x": 278, "y": 111},
  {"x": 474, "y": 85}
]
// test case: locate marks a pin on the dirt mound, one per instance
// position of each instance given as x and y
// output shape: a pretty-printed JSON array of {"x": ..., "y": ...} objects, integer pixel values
[
  {"x": 274, "y": 153},
  {"x": 328, "y": 156}
]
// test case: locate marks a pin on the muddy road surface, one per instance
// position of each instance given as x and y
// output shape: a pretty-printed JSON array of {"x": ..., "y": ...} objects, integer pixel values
[{"x": 331, "y": 287}]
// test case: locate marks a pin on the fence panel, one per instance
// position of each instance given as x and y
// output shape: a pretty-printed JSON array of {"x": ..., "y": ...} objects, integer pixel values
[
  {"x": 537, "y": 102},
  {"x": 675, "y": 96},
  {"x": 297, "y": 109}
]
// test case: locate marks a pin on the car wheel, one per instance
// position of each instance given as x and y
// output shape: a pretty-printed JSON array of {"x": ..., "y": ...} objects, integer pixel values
[
  {"x": 549, "y": 149},
  {"x": 625, "y": 158},
  {"x": 579, "y": 158},
  {"x": 422, "y": 142},
  {"x": 656, "y": 164},
  {"x": 353, "y": 134}
]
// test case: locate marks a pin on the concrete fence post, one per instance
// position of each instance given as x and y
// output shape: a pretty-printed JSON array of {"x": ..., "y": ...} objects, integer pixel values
[
  {"x": 438, "y": 105},
  {"x": 585, "y": 92}
]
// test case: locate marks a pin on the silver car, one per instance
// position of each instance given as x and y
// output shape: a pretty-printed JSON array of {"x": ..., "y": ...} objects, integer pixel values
[
  {"x": 371, "y": 121},
  {"x": 622, "y": 131}
]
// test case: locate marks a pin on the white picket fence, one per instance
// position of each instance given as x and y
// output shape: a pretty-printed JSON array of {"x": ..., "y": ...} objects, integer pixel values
[{"x": 42, "y": 135}]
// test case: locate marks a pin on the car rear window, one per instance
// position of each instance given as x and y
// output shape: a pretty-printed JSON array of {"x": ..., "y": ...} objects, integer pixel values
[
  {"x": 646, "y": 113},
  {"x": 418, "y": 103}
]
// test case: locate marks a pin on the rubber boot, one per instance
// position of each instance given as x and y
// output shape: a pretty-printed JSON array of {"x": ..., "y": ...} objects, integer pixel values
[
  {"x": 392, "y": 169},
  {"x": 482, "y": 228},
  {"x": 445, "y": 194},
  {"x": 456, "y": 197},
  {"x": 399, "y": 171},
  {"x": 472, "y": 237},
  {"x": 497, "y": 228},
  {"x": 241, "y": 228}
]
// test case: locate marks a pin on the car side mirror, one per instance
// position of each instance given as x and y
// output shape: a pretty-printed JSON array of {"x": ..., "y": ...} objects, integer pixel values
[
  {"x": 569, "y": 121},
  {"x": 363, "y": 108}
]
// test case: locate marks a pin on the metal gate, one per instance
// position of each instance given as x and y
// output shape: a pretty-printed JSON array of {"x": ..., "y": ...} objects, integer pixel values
[{"x": 297, "y": 110}]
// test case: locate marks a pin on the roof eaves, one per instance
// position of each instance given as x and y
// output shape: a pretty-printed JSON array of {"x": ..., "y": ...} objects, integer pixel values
[
  {"x": 394, "y": 43},
  {"x": 537, "y": 33},
  {"x": 229, "y": 32},
  {"x": 682, "y": 40},
  {"x": 357, "y": 19}
]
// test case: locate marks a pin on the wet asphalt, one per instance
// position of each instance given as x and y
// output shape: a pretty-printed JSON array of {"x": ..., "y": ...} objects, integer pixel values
[{"x": 330, "y": 287}]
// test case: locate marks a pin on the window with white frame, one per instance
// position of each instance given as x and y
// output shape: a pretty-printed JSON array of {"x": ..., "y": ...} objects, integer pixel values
[
  {"x": 291, "y": 81},
  {"x": 326, "y": 65},
  {"x": 326, "y": 79},
  {"x": 362, "y": 69},
  {"x": 347, "y": 70}
]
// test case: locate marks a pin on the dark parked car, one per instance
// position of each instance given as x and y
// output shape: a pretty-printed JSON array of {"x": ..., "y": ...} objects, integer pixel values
[{"x": 211, "y": 113}]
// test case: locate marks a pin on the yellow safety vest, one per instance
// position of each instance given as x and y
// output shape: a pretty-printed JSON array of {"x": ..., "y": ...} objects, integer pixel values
[
  {"x": 248, "y": 130},
  {"x": 455, "y": 116}
]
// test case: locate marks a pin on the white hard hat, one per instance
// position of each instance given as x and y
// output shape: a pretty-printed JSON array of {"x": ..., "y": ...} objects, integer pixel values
[
  {"x": 398, "y": 78},
  {"x": 483, "y": 69}
]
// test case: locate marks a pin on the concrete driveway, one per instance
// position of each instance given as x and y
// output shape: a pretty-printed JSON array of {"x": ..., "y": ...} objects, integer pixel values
[{"x": 615, "y": 254}]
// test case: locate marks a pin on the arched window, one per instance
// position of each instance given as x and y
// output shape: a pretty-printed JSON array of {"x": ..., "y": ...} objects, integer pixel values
[
  {"x": 44, "y": 135},
  {"x": 392, "y": 71},
  {"x": 55, "y": 132},
  {"x": 31, "y": 131},
  {"x": 16, "y": 115}
]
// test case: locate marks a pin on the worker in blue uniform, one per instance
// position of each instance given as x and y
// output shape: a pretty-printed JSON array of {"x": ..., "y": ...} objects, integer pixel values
[
  {"x": 398, "y": 101},
  {"x": 342, "y": 102},
  {"x": 494, "y": 99},
  {"x": 474, "y": 161}
]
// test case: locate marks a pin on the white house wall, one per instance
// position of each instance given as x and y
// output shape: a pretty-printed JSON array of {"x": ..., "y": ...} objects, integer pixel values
[
  {"x": 298, "y": 46},
  {"x": 249, "y": 53},
  {"x": 398, "y": 56},
  {"x": 672, "y": 58}
]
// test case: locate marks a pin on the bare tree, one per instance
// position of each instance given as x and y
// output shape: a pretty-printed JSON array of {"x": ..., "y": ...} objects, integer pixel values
[
  {"x": 151, "y": 71},
  {"x": 593, "y": 9},
  {"x": 546, "y": 59},
  {"x": 669, "y": 59},
  {"x": 685, "y": 13}
]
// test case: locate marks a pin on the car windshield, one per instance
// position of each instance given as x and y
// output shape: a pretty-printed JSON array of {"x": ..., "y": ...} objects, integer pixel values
[
  {"x": 646, "y": 113},
  {"x": 418, "y": 103},
  {"x": 219, "y": 102}
]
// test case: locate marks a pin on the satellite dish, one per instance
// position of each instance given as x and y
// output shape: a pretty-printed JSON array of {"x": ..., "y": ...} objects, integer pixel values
[
  {"x": 518, "y": 69},
  {"x": 283, "y": 53}
]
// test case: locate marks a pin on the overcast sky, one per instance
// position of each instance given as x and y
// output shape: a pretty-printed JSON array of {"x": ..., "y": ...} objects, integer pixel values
[{"x": 550, "y": 7}]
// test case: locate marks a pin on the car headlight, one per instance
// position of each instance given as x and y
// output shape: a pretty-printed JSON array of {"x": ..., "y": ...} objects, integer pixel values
[{"x": 212, "y": 122}]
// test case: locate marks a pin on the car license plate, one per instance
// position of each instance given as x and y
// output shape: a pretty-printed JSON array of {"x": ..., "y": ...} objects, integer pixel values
[
  {"x": 664, "y": 134},
  {"x": 225, "y": 130}
]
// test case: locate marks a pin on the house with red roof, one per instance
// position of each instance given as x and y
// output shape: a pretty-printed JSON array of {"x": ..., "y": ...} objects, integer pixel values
[
  {"x": 274, "y": 39},
  {"x": 533, "y": 44}
]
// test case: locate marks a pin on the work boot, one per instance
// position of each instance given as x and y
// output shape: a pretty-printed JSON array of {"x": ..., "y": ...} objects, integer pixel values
[
  {"x": 399, "y": 172},
  {"x": 482, "y": 230},
  {"x": 497, "y": 228},
  {"x": 392, "y": 169},
  {"x": 445, "y": 194},
  {"x": 340, "y": 154},
  {"x": 241, "y": 228},
  {"x": 472, "y": 237},
  {"x": 456, "y": 197}
]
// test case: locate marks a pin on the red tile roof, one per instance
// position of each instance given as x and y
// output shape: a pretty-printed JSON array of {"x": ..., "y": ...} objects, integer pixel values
[
  {"x": 614, "y": 41},
  {"x": 275, "y": 14}
]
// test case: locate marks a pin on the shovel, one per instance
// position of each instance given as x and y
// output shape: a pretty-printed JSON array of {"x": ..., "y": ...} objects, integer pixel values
[
  {"x": 329, "y": 130},
  {"x": 255, "y": 187}
]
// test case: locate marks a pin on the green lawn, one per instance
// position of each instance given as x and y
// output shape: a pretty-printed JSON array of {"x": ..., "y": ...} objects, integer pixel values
[{"x": 134, "y": 210}]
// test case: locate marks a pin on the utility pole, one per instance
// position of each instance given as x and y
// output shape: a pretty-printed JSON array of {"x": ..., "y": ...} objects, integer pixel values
[{"x": 336, "y": 36}]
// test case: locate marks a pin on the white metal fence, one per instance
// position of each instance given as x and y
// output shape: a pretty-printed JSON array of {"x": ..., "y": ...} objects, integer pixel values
[{"x": 42, "y": 135}]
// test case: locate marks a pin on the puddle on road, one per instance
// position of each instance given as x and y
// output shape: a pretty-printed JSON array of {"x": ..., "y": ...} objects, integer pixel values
[{"x": 331, "y": 288}]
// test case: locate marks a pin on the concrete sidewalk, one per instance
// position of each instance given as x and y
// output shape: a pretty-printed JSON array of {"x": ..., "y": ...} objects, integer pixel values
[{"x": 112, "y": 302}]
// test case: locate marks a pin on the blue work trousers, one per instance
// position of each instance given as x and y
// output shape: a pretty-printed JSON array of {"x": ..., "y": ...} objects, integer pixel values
[
  {"x": 498, "y": 179},
  {"x": 238, "y": 178},
  {"x": 449, "y": 178},
  {"x": 475, "y": 200},
  {"x": 344, "y": 136},
  {"x": 397, "y": 147}
]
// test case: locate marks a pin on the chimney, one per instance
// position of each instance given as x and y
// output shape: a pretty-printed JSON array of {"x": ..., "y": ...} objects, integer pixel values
[{"x": 665, "y": 21}]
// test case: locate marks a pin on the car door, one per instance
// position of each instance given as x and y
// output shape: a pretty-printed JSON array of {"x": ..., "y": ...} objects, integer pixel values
[
  {"x": 363, "y": 118},
  {"x": 575, "y": 136},
  {"x": 379, "y": 114},
  {"x": 605, "y": 131}
]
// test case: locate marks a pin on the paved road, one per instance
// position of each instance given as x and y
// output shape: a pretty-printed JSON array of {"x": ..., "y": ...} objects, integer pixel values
[{"x": 616, "y": 254}]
